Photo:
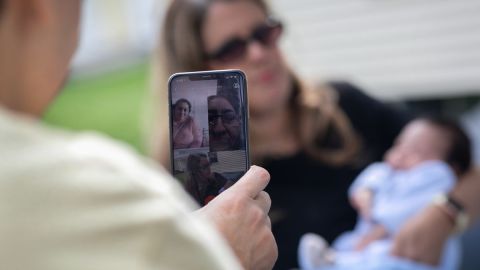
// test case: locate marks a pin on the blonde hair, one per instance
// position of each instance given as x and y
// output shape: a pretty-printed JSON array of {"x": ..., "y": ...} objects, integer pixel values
[
  {"x": 318, "y": 114},
  {"x": 314, "y": 111}
]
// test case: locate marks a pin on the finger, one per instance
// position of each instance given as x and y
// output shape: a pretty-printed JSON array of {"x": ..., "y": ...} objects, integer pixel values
[
  {"x": 254, "y": 181},
  {"x": 269, "y": 223},
  {"x": 263, "y": 200}
]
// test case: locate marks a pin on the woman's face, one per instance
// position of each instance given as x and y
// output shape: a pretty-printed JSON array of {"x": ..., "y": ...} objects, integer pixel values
[
  {"x": 204, "y": 168},
  {"x": 181, "y": 111},
  {"x": 269, "y": 82}
]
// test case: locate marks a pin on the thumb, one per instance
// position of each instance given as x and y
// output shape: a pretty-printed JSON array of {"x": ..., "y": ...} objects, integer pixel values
[{"x": 252, "y": 183}]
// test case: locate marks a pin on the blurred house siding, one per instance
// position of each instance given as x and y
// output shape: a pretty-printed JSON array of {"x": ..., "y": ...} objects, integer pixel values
[{"x": 393, "y": 48}]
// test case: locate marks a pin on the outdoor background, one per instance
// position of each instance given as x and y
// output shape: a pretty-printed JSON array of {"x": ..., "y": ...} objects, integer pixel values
[{"x": 421, "y": 54}]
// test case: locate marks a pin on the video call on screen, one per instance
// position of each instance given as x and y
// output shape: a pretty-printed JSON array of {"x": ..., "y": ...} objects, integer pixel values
[{"x": 208, "y": 133}]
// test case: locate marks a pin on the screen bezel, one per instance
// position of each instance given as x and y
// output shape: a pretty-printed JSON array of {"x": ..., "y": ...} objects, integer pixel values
[{"x": 212, "y": 75}]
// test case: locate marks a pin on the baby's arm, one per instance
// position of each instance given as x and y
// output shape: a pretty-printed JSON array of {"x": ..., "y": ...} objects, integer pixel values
[
  {"x": 362, "y": 190},
  {"x": 417, "y": 191},
  {"x": 361, "y": 200}
]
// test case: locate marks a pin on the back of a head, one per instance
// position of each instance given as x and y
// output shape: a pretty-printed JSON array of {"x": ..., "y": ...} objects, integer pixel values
[{"x": 459, "y": 155}]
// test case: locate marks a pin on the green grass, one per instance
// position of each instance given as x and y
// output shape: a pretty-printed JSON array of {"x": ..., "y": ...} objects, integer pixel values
[{"x": 110, "y": 103}]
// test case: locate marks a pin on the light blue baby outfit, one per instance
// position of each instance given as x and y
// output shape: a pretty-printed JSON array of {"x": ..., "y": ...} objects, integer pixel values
[{"x": 398, "y": 196}]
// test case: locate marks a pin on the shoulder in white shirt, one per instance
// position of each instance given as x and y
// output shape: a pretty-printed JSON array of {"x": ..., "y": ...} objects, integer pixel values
[{"x": 81, "y": 201}]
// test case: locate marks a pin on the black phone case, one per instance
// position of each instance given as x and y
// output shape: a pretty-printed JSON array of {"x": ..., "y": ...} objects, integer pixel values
[{"x": 210, "y": 75}]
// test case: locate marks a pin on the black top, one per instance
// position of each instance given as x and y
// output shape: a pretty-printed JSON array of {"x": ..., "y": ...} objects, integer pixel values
[{"x": 308, "y": 196}]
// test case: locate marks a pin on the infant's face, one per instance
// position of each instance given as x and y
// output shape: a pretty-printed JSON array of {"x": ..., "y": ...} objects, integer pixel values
[{"x": 418, "y": 142}]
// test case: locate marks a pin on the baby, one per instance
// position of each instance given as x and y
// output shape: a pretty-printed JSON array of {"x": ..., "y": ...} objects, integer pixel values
[{"x": 427, "y": 157}]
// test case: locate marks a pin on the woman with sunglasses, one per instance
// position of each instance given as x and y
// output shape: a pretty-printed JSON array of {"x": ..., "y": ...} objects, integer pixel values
[{"x": 313, "y": 140}]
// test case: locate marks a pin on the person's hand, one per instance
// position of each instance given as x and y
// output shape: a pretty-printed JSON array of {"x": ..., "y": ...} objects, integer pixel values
[
  {"x": 422, "y": 238},
  {"x": 241, "y": 215},
  {"x": 362, "y": 201},
  {"x": 376, "y": 233}
]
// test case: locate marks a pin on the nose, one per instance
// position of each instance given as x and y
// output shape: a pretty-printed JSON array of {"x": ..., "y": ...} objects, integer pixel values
[
  {"x": 218, "y": 127},
  {"x": 256, "y": 51}
]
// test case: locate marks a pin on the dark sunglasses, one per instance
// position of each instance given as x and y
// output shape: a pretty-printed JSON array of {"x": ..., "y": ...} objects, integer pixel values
[
  {"x": 266, "y": 34},
  {"x": 227, "y": 118}
]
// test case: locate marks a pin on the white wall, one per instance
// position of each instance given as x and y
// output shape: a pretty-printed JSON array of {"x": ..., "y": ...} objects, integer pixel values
[{"x": 393, "y": 48}]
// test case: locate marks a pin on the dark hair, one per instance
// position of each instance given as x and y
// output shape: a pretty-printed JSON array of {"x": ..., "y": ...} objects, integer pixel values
[
  {"x": 193, "y": 162},
  {"x": 183, "y": 100},
  {"x": 459, "y": 155},
  {"x": 226, "y": 89},
  {"x": 1, "y": 7},
  {"x": 230, "y": 99}
]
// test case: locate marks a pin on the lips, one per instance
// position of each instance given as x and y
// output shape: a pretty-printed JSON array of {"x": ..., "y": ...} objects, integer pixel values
[{"x": 266, "y": 76}]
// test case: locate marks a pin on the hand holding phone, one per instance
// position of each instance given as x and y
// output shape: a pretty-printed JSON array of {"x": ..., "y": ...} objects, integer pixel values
[
  {"x": 241, "y": 215},
  {"x": 208, "y": 130}
]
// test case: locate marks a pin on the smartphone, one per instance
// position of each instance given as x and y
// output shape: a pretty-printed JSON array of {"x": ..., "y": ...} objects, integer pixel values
[{"x": 208, "y": 116}]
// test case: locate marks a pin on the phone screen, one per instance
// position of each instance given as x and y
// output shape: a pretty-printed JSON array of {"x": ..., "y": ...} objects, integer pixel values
[{"x": 208, "y": 131}]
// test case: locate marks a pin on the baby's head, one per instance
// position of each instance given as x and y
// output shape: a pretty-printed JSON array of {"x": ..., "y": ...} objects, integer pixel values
[{"x": 431, "y": 138}]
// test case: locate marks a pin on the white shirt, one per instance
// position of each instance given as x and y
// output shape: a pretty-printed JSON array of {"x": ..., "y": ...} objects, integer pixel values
[{"x": 71, "y": 201}]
